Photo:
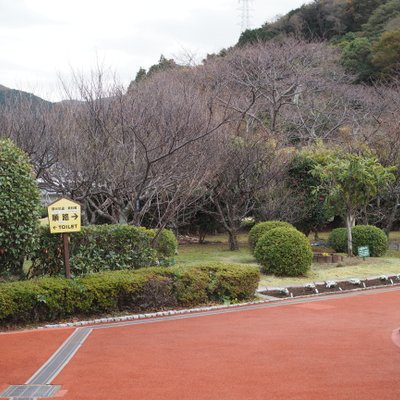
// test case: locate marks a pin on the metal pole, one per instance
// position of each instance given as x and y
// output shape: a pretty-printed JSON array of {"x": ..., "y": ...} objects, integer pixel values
[{"x": 66, "y": 255}]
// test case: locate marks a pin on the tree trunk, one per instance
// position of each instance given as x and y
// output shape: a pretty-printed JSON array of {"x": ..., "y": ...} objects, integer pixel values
[
  {"x": 229, "y": 224},
  {"x": 85, "y": 217},
  {"x": 350, "y": 221},
  {"x": 202, "y": 236},
  {"x": 365, "y": 217},
  {"x": 233, "y": 242},
  {"x": 121, "y": 215}
]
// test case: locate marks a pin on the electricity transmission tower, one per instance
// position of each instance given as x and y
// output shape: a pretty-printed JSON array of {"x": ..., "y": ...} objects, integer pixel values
[{"x": 244, "y": 14}]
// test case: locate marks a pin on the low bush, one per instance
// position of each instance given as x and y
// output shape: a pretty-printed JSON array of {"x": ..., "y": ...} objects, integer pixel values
[
  {"x": 262, "y": 227},
  {"x": 53, "y": 298},
  {"x": 284, "y": 252},
  {"x": 363, "y": 235}
]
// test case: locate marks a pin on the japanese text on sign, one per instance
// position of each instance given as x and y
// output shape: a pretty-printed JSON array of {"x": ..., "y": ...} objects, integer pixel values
[{"x": 64, "y": 216}]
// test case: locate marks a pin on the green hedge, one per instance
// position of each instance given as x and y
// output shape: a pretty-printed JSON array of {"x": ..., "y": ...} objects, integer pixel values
[
  {"x": 49, "y": 299},
  {"x": 262, "y": 227},
  {"x": 363, "y": 235},
  {"x": 284, "y": 252},
  {"x": 100, "y": 248}
]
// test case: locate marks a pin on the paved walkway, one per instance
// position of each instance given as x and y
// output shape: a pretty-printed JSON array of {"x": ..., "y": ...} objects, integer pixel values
[{"x": 326, "y": 348}]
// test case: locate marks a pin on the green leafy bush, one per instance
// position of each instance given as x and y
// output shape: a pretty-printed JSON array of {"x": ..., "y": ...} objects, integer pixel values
[
  {"x": 102, "y": 247},
  {"x": 262, "y": 227},
  {"x": 284, "y": 252},
  {"x": 363, "y": 235},
  {"x": 96, "y": 248},
  {"x": 19, "y": 208},
  {"x": 338, "y": 240},
  {"x": 99, "y": 248},
  {"x": 52, "y": 298}
]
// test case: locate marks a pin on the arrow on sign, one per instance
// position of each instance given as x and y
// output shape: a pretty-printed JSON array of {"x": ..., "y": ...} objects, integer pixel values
[
  {"x": 55, "y": 227},
  {"x": 75, "y": 216}
]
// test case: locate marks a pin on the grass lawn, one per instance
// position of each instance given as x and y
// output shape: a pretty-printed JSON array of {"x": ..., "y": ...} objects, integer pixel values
[{"x": 217, "y": 251}]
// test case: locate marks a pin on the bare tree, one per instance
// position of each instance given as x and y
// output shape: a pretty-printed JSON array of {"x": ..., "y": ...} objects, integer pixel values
[
  {"x": 32, "y": 124},
  {"x": 247, "y": 167},
  {"x": 384, "y": 138},
  {"x": 267, "y": 80},
  {"x": 128, "y": 153}
]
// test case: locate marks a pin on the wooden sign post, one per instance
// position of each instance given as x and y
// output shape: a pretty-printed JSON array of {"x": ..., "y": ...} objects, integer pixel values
[{"x": 65, "y": 217}]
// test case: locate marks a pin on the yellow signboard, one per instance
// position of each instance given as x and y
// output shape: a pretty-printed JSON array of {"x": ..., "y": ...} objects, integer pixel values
[{"x": 64, "y": 216}]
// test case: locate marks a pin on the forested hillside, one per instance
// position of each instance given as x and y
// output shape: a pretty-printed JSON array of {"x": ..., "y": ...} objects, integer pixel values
[
  {"x": 366, "y": 31},
  {"x": 11, "y": 97}
]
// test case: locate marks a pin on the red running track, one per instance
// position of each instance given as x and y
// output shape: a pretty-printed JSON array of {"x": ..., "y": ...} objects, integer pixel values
[
  {"x": 329, "y": 349},
  {"x": 23, "y": 353}
]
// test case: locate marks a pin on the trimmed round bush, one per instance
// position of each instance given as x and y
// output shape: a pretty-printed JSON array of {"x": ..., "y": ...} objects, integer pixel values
[
  {"x": 363, "y": 235},
  {"x": 19, "y": 208},
  {"x": 284, "y": 252},
  {"x": 338, "y": 240},
  {"x": 262, "y": 227},
  {"x": 371, "y": 236}
]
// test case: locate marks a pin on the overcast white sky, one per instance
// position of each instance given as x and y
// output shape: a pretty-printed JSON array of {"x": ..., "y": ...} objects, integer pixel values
[{"x": 43, "y": 39}]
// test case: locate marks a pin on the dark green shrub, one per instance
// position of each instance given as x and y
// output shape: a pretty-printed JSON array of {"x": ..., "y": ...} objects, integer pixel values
[
  {"x": 262, "y": 227},
  {"x": 363, "y": 235},
  {"x": 338, "y": 240},
  {"x": 284, "y": 252},
  {"x": 19, "y": 208},
  {"x": 96, "y": 248},
  {"x": 49, "y": 299}
]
